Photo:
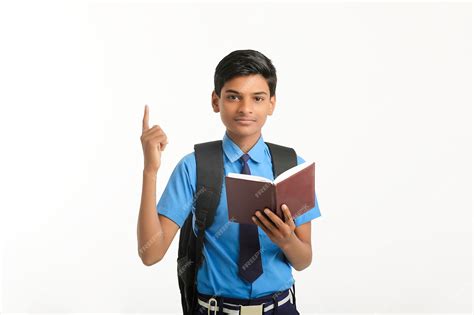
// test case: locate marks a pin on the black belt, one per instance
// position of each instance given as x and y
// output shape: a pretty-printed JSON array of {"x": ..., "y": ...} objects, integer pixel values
[{"x": 235, "y": 306}]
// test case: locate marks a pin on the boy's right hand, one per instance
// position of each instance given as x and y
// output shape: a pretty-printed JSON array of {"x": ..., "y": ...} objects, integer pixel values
[{"x": 154, "y": 141}]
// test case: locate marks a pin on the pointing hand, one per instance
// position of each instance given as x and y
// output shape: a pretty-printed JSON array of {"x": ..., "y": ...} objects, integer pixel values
[{"x": 154, "y": 140}]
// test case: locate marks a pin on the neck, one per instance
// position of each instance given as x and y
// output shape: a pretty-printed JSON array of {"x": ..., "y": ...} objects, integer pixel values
[{"x": 245, "y": 143}]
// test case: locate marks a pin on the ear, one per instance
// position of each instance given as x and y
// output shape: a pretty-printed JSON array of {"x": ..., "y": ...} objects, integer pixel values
[
  {"x": 272, "y": 105},
  {"x": 215, "y": 102}
]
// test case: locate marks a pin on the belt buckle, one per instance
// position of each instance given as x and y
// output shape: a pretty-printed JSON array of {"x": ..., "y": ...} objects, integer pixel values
[
  {"x": 215, "y": 306},
  {"x": 251, "y": 309}
]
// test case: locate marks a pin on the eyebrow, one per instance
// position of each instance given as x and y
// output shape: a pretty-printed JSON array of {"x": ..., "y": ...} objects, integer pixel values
[{"x": 237, "y": 92}]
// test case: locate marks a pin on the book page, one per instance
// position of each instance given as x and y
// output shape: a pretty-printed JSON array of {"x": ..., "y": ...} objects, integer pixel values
[
  {"x": 291, "y": 171},
  {"x": 250, "y": 177}
]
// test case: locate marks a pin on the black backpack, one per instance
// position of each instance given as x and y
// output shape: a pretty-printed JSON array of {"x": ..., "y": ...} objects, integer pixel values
[{"x": 209, "y": 176}]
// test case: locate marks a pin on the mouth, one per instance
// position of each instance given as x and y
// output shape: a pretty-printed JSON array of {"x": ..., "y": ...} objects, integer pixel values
[{"x": 245, "y": 121}]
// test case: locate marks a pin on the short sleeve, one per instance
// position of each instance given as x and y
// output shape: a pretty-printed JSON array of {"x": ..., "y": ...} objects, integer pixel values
[
  {"x": 312, "y": 213},
  {"x": 177, "y": 200}
]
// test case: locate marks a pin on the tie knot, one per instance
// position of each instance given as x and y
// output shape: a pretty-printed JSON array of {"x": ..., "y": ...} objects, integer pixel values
[{"x": 245, "y": 157}]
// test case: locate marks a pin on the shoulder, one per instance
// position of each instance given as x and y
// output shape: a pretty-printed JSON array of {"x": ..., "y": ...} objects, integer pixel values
[
  {"x": 299, "y": 159},
  {"x": 185, "y": 169},
  {"x": 188, "y": 160}
]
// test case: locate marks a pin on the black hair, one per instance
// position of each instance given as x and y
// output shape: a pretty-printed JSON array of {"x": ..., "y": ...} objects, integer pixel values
[{"x": 241, "y": 63}]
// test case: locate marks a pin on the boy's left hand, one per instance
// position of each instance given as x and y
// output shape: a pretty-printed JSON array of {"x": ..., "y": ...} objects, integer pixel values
[{"x": 281, "y": 233}]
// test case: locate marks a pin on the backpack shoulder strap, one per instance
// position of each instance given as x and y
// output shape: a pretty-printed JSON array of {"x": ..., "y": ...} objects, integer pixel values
[
  {"x": 209, "y": 173},
  {"x": 283, "y": 158}
]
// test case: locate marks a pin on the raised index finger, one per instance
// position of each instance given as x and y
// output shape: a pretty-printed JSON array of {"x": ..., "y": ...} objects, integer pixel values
[{"x": 145, "y": 126}]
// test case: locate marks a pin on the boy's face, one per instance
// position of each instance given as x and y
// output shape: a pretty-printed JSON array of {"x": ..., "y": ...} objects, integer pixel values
[{"x": 244, "y": 104}]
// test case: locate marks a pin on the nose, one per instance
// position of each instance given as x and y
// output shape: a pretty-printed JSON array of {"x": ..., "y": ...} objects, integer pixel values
[{"x": 246, "y": 106}]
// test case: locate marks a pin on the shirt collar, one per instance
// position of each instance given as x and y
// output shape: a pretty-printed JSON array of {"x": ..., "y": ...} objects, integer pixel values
[{"x": 233, "y": 152}]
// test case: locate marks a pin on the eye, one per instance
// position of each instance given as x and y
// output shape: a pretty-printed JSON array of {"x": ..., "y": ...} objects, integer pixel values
[
  {"x": 259, "y": 99},
  {"x": 231, "y": 97}
]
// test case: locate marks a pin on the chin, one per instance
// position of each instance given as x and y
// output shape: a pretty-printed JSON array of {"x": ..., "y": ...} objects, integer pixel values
[{"x": 243, "y": 132}]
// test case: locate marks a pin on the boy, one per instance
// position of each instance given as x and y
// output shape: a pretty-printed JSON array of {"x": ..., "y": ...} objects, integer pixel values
[{"x": 244, "y": 95}]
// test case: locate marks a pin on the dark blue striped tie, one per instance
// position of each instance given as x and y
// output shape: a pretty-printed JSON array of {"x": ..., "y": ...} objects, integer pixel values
[{"x": 250, "y": 260}]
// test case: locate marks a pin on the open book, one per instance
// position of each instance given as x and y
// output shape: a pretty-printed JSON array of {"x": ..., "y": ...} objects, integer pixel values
[{"x": 249, "y": 193}]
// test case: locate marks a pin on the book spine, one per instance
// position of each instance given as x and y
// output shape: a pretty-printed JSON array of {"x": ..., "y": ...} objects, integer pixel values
[{"x": 273, "y": 198}]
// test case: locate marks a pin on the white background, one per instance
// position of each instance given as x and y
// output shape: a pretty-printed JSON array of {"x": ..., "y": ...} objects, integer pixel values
[{"x": 378, "y": 94}]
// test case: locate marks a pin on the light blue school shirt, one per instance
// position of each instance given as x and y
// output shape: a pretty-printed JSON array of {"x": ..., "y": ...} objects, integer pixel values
[{"x": 218, "y": 275}]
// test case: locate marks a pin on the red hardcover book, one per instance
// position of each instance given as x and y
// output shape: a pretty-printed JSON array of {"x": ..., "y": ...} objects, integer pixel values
[{"x": 249, "y": 193}]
